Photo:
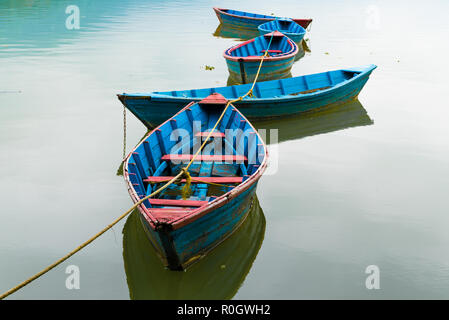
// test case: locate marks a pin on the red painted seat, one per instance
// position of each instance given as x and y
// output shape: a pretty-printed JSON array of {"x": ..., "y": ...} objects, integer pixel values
[
  {"x": 177, "y": 203},
  {"x": 222, "y": 158},
  {"x": 214, "y": 134},
  {"x": 205, "y": 179},
  {"x": 272, "y": 51},
  {"x": 167, "y": 215}
]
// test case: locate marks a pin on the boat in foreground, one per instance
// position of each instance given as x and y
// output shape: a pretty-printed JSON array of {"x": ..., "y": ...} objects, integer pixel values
[
  {"x": 184, "y": 226},
  {"x": 286, "y": 26},
  {"x": 247, "y": 20},
  {"x": 244, "y": 59},
  {"x": 271, "y": 99}
]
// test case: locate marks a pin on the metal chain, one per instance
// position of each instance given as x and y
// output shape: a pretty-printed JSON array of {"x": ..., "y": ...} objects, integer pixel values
[{"x": 124, "y": 133}]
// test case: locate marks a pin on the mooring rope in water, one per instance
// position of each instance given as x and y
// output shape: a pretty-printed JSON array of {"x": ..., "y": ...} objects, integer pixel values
[
  {"x": 183, "y": 173},
  {"x": 37, "y": 275}
]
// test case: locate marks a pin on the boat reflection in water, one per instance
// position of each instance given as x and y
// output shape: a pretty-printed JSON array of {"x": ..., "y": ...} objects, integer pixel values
[
  {"x": 303, "y": 49},
  {"x": 232, "y": 81},
  {"x": 217, "y": 276},
  {"x": 306, "y": 45},
  {"x": 323, "y": 120},
  {"x": 224, "y": 31}
]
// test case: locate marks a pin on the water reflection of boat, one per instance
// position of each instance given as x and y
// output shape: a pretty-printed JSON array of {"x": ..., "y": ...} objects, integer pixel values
[
  {"x": 234, "y": 82},
  {"x": 225, "y": 31},
  {"x": 306, "y": 45},
  {"x": 302, "y": 49},
  {"x": 218, "y": 276},
  {"x": 323, "y": 120}
]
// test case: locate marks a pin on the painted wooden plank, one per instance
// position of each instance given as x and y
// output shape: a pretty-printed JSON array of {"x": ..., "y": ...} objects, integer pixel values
[
  {"x": 139, "y": 164},
  {"x": 227, "y": 158},
  {"x": 221, "y": 180},
  {"x": 161, "y": 141},
  {"x": 177, "y": 203},
  {"x": 271, "y": 51},
  {"x": 214, "y": 134},
  {"x": 149, "y": 154}
]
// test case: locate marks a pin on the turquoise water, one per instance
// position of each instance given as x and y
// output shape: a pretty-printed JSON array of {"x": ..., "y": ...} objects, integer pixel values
[{"x": 363, "y": 184}]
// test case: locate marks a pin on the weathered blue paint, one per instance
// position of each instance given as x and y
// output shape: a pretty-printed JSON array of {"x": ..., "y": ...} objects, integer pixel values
[
  {"x": 247, "y": 20},
  {"x": 287, "y": 26},
  {"x": 272, "y": 99},
  {"x": 182, "y": 234},
  {"x": 244, "y": 59}
]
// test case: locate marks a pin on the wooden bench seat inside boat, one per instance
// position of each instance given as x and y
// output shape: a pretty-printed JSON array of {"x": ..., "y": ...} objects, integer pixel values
[
  {"x": 214, "y": 134},
  {"x": 271, "y": 51},
  {"x": 222, "y": 180},
  {"x": 177, "y": 203},
  {"x": 211, "y": 157}
]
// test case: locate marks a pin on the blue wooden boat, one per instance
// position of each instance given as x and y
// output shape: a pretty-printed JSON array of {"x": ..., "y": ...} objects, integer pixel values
[
  {"x": 243, "y": 59},
  {"x": 247, "y": 20},
  {"x": 184, "y": 230},
  {"x": 286, "y": 26},
  {"x": 271, "y": 99}
]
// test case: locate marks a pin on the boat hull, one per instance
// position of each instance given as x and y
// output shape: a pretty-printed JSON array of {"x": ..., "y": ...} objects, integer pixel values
[
  {"x": 246, "y": 71},
  {"x": 156, "y": 108},
  {"x": 178, "y": 249},
  {"x": 295, "y": 37},
  {"x": 245, "y": 22},
  {"x": 286, "y": 27}
]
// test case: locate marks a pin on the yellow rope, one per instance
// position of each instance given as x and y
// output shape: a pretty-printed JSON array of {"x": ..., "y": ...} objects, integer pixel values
[
  {"x": 185, "y": 192},
  {"x": 183, "y": 173},
  {"x": 195, "y": 179}
]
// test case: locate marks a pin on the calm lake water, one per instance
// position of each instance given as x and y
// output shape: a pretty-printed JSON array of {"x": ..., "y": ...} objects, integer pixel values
[{"x": 363, "y": 184}]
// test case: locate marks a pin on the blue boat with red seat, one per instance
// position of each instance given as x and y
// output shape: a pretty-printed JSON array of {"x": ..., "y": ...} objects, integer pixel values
[
  {"x": 182, "y": 226},
  {"x": 243, "y": 60},
  {"x": 270, "y": 99},
  {"x": 286, "y": 26},
  {"x": 246, "y": 20}
]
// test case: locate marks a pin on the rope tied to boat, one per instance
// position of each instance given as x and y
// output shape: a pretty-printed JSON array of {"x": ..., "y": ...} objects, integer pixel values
[{"x": 186, "y": 189}]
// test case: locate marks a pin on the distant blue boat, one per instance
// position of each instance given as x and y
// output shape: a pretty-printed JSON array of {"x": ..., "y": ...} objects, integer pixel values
[
  {"x": 286, "y": 26},
  {"x": 247, "y": 20},
  {"x": 271, "y": 99},
  {"x": 223, "y": 185},
  {"x": 243, "y": 60}
]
